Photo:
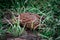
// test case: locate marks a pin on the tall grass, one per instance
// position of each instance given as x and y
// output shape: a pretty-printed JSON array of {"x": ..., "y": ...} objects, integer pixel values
[
  {"x": 16, "y": 30},
  {"x": 45, "y": 8}
]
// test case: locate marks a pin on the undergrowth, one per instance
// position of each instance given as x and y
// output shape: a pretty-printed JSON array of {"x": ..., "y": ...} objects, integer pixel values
[{"x": 49, "y": 9}]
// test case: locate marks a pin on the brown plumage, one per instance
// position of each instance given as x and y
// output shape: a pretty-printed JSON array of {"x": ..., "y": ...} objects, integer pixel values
[{"x": 29, "y": 20}]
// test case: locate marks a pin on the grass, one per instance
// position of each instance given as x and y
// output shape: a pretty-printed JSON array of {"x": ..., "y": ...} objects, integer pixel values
[
  {"x": 15, "y": 30},
  {"x": 46, "y": 8}
]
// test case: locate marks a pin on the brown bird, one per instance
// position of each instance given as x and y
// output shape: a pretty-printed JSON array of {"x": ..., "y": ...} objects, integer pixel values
[{"x": 29, "y": 20}]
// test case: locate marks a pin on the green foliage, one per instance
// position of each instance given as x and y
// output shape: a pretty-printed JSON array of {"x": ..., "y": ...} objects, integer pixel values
[
  {"x": 50, "y": 9},
  {"x": 2, "y": 32},
  {"x": 16, "y": 30}
]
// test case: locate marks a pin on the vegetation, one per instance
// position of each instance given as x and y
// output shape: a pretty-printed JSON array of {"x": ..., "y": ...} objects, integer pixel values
[{"x": 50, "y": 9}]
